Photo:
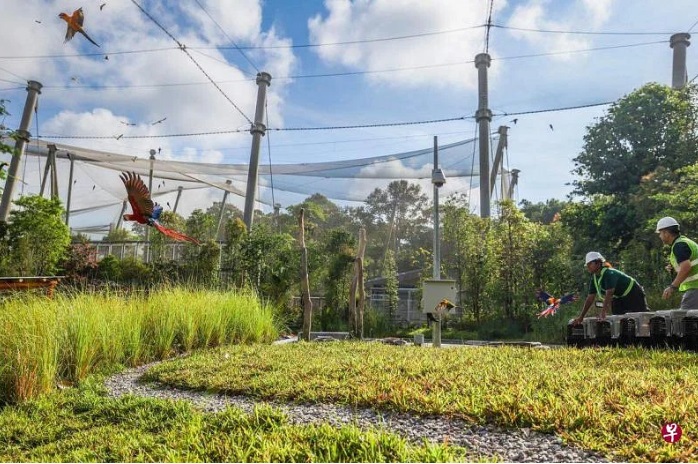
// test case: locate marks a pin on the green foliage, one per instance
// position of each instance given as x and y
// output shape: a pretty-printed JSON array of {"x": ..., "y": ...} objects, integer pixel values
[
  {"x": 119, "y": 235},
  {"x": 651, "y": 127},
  {"x": 134, "y": 272},
  {"x": 339, "y": 254},
  {"x": 543, "y": 213},
  {"x": 37, "y": 236},
  {"x": 201, "y": 225},
  {"x": 109, "y": 268},
  {"x": 395, "y": 219}
]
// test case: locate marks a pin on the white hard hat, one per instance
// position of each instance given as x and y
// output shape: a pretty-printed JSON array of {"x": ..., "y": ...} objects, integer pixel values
[
  {"x": 665, "y": 222},
  {"x": 593, "y": 256}
]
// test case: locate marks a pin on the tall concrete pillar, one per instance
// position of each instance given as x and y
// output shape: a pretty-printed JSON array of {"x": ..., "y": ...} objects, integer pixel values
[
  {"x": 258, "y": 130},
  {"x": 33, "y": 91},
  {"x": 483, "y": 116},
  {"x": 679, "y": 42}
]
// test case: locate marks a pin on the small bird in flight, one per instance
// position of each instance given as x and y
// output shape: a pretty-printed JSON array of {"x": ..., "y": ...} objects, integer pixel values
[
  {"x": 119, "y": 136},
  {"x": 551, "y": 126},
  {"x": 126, "y": 123},
  {"x": 102, "y": 6},
  {"x": 515, "y": 120},
  {"x": 158, "y": 122},
  {"x": 75, "y": 22}
]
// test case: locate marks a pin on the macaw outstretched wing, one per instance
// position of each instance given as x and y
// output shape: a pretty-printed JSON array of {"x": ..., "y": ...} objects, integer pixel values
[
  {"x": 138, "y": 194},
  {"x": 569, "y": 298},
  {"x": 543, "y": 296}
]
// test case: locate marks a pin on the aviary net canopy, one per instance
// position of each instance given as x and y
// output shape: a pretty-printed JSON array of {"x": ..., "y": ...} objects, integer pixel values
[{"x": 97, "y": 192}]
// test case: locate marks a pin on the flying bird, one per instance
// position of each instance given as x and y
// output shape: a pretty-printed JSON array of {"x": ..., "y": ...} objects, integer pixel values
[
  {"x": 443, "y": 306},
  {"x": 75, "y": 22},
  {"x": 102, "y": 6},
  {"x": 126, "y": 123},
  {"x": 145, "y": 211},
  {"x": 119, "y": 136},
  {"x": 553, "y": 303},
  {"x": 158, "y": 122},
  {"x": 515, "y": 120},
  {"x": 168, "y": 205},
  {"x": 106, "y": 57},
  {"x": 550, "y": 126},
  {"x": 37, "y": 21}
]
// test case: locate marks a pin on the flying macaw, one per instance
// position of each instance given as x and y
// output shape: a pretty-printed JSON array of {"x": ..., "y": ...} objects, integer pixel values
[
  {"x": 443, "y": 306},
  {"x": 145, "y": 211},
  {"x": 553, "y": 303},
  {"x": 75, "y": 25}
]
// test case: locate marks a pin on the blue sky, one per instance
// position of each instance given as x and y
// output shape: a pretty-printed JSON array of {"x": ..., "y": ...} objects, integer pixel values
[{"x": 428, "y": 76}]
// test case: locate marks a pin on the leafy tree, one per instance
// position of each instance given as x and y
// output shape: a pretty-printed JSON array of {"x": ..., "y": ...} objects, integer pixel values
[
  {"x": 514, "y": 244},
  {"x": 397, "y": 215},
  {"x": 37, "y": 235},
  {"x": 119, "y": 235},
  {"x": 651, "y": 127},
  {"x": 214, "y": 211},
  {"x": 339, "y": 253},
  {"x": 468, "y": 253},
  {"x": 544, "y": 213}
]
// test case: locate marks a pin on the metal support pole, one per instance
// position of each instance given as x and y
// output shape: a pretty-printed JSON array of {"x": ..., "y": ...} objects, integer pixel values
[
  {"x": 33, "y": 89},
  {"x": 179, "y": 195},
  {"x": 70, "y": 190},
  {"x": 438, "y": 179},
  {"x": 150, "y": 189},
  {"x": 514, "y": 181},
  {"x": 258, "y": 130},
  {"x": 121, "y": 216},
  {"x": 483, "y": 116},
  {"x": 679, "y": 43},
  {"x": 51, "y": 155},
  {"x": 499, "y": 155},
  {"x": 220, "y": 215}
]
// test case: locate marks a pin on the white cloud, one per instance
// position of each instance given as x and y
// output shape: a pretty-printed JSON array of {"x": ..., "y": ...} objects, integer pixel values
[
  {"x": 363, "y": 20},
  {"x": 548, "y": 15}
]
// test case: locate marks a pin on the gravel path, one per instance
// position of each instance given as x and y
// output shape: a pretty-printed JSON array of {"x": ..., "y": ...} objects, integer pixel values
[{"x": 517, "y": 445}]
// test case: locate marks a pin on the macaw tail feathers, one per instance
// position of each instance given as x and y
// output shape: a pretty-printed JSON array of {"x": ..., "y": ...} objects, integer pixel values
[{"x": 173, "y": 234}]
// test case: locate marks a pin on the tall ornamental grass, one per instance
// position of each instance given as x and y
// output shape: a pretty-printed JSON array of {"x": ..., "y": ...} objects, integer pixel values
[{"x": 63, "y": 340}]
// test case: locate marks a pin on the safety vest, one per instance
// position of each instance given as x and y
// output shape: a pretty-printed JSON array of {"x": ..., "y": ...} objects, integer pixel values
[
  {"x": 601, "y": 292},
  {"x": 691, "y": 281}
]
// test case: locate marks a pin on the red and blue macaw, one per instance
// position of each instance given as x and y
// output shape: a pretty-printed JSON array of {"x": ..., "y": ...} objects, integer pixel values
[
  {"x": 145, "y": 211},
  {"x": 553, "y": 303}
]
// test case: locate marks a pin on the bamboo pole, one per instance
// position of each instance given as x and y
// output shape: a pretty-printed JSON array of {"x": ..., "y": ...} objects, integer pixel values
[{"x": 305, "y": 283}]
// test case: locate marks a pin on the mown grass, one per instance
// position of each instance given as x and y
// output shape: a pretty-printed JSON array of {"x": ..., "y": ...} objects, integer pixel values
[
  {"x": 610, "y": 400},
  {"x": 63, "y": 340},
  {"x": 85, "y": 426}
]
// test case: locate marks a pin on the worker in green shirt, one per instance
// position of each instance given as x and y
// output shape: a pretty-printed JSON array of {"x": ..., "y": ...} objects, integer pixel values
[{"x": 618, "y": 292}]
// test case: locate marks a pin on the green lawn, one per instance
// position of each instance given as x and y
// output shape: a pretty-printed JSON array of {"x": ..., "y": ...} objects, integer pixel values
[
  {"x": 85, "y": 426},
  {"x": 610, "y": 400}
]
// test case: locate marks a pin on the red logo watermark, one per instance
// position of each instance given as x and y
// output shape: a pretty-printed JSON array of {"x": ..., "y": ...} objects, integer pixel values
[{"x": 671, "y": 432}]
